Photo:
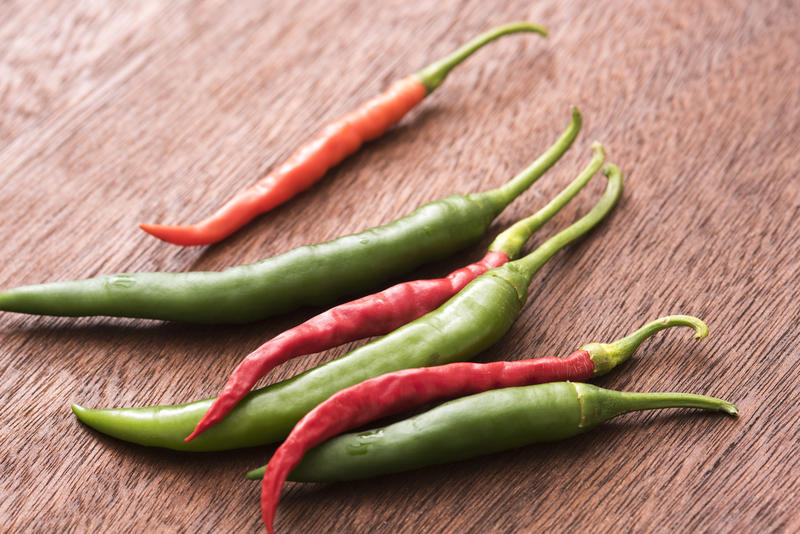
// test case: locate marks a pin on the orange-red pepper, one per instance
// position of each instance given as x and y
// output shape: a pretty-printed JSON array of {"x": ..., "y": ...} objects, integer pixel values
[
  {"x": 336, "y": 141},
  {"x": 382, "y": 312}
]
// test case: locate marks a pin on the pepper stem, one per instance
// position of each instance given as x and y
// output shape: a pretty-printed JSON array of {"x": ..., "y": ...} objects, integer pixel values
[
  {"x": 598, "y": 404},
  {"x": 434, "y": 74},
  {"x": 606, "y": 356},
  {"x": 512, "y": 240},
  {"x": 652, "y": 401},
  {"x": 534, "y": 261},
  {"x": 502, "y": 196}
]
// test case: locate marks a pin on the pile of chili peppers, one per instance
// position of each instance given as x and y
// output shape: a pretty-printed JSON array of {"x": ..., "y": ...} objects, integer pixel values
[{"x": 429, "y": 327}]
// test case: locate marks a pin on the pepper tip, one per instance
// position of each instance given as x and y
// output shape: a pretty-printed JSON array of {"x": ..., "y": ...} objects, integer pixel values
[
  {"x": 184, "y": 236},
  {"x": 151, "y": 229},
  {"x": 255, "y": 474},
  {"x": 197, "y": 431},
  {"x": 78, "y": 410}
]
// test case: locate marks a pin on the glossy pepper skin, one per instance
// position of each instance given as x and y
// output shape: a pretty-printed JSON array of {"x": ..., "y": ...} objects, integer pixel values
[
  {"x": 465, "y": 325},
  {"x": 333, "y": 144},
  {"x": 471, "y": 426},
  {"x": 313, "y": 275},
  {"x": 382, "y": 312},
  {"x": 480, "y": 424},
  {"x": 405, "y": 390}
]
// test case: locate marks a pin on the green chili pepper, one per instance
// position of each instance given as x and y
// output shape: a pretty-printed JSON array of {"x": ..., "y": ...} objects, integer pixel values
[
  {"x": 312, "y": 275},
  {"x": 465, "y": 325},
  {"x": 480, "y": 424}
]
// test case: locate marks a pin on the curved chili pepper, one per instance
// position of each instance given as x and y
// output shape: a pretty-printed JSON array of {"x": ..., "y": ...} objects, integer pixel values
[
  {"x": 382, "y": 312},
  {"x": 333, "y": 144},
  {"x": 471, "y": 426},
  {"x": 312, "y": 275},
  {"x": 405, "y": 390},
  {"x": 465, "y": 325}
]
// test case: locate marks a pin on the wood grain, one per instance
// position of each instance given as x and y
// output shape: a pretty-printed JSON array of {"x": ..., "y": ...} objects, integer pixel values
[{"x": 117, "y": 113}]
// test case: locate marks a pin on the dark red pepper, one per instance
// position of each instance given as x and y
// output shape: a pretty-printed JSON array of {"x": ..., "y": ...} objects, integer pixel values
[
  {"x": 385, "y": 311},
  {"x": 410, "y": 388}
]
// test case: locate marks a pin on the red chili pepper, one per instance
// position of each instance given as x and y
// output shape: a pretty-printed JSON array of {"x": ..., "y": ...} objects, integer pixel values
[
  {"x": 382, "y": 312},
  {"x": 373, "y": 315},
  {"x": 404, "y": 390},
  {"x": 337, "y": 141}
]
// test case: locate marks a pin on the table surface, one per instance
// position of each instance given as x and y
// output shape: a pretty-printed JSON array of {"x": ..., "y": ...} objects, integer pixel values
[{"x": 156, "y": 112}]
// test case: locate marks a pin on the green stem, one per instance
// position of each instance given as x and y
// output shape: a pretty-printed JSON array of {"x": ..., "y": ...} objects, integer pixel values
[
  {"x": 598, "y": 405},
  {"x": 512, "y": 240},
  {"x": 502, "y": 196},
  {"x": 606, "y": 356},
  {"x": 534, "y": 261},
  {"x": 434, "y": 74},
  {"x": 652, "y": 401}
]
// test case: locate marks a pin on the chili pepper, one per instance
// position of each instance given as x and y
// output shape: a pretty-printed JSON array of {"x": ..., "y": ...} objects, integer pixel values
[
  {"x": 468, "y": 323},
  {"x": 382, "y": 312},
  {"x": 480, "y": 424},
  {"x": 405, "y": 390},
  {"x": 312, "y": 275},
  {"x": 333, "y": 144}
]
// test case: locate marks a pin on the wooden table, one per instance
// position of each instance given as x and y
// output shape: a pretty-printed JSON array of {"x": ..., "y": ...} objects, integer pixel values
[{"x": 128, "y": 112}]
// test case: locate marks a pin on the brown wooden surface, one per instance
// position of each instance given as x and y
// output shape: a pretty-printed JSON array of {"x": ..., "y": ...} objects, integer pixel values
[{"x": 117, "y": 113}]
